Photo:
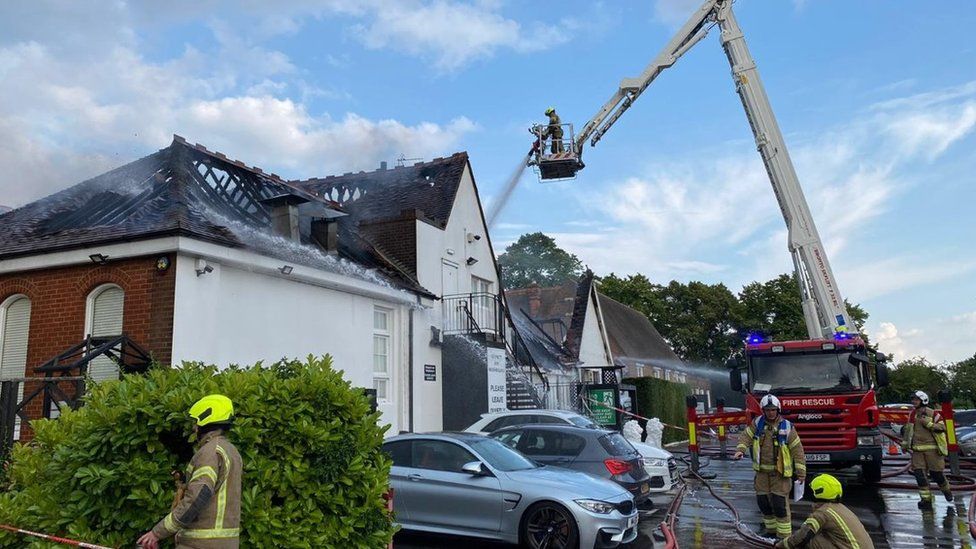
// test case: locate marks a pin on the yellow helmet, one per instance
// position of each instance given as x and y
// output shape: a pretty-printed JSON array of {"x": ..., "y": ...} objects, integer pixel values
[
  {"x": 826, "y": 487},
  {"x": 212, "y": 409},
  {"x": 550, "y": 110}
]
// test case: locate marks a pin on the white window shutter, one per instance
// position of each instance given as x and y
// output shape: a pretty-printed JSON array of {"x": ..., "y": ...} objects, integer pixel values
[
  {"x": 106, "y": 321},
  {"x": 14, "y": 334}
]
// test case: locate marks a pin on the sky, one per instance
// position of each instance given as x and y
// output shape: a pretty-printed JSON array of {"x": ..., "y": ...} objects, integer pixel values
[{"x": 877, "y": 100}]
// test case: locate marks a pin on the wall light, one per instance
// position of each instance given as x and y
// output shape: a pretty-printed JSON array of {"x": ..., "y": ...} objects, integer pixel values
[
  {"x": 285, "y": 269},
  {"x": 98, "y": 259},
  {"x": 203, "y": 267},
  {"x": 471, "y": 261}
]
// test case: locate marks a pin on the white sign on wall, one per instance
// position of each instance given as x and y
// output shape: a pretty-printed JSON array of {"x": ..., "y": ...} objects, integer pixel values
[{"x": 496, "y": 380}]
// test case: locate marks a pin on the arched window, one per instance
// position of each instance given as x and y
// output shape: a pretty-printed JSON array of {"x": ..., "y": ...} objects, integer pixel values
[
  {"x": 104, "y": 318},
  {"x": 14, "y": 333}
]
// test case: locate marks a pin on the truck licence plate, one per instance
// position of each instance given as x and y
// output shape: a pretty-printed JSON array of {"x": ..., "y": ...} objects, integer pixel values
[{"x": 818, "y": 457}]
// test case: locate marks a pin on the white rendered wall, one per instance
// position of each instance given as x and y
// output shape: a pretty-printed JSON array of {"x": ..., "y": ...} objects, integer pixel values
[
  {"x": 236, "y": 316},
  {"x": 435, "y": 246},
  {"x": 435, "y": 249},
  {"x": 593, "y": 351}
]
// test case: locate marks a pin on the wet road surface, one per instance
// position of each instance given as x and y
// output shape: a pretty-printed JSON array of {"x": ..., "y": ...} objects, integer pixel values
[{"x": 891, "y": 516}]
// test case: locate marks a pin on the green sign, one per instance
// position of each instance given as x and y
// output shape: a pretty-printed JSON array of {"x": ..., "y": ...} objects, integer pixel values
[{"x": 601, "y": 406}]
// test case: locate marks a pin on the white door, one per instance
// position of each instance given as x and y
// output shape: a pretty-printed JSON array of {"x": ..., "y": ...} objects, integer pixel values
[
  {"x": 449, "y": 279},
  {"x": 106, "y": 320},
  {"x": 14, "y": 333}
]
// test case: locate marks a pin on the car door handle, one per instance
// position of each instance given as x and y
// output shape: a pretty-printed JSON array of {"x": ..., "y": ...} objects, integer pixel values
[{"x": 415, "y": 477}]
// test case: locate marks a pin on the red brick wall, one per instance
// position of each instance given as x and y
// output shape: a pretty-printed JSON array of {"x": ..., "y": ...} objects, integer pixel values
[{"x": 59, "y": 298}]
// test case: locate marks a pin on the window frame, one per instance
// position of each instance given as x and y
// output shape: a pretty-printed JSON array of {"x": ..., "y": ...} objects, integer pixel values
[
  {"x": 384, "y": 377},
  {"x": 5, "y": 306}
]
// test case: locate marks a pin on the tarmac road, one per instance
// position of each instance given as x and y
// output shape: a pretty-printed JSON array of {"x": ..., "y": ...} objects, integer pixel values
[{"x": 891, "y": 516}]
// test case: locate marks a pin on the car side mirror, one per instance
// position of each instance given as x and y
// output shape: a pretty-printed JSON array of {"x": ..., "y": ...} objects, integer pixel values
[
  {"x": 881, "y": 357},
  {"x": 475, "y": 468},
  {"x": 881, "y": 373},
  {"x": 732, "y": 364},
  {"x": 735, "y": 380}
]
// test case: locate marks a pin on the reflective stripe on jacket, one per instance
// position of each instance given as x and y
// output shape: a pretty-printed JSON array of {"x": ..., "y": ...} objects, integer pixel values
[
  {"x": 210, "y": 508},
  {"x": 925, "y": 431},
  {"x": 774, "y": 448}
]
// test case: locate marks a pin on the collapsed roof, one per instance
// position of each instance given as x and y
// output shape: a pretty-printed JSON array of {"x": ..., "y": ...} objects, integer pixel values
[{"x": 187, "y": 190}]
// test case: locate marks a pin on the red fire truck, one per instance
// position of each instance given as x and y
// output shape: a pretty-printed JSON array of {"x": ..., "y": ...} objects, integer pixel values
[{"x": 827, "y": 389}]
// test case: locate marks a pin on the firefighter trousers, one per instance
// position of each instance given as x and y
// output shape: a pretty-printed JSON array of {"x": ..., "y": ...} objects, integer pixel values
[
  {"x": 773, "y": 497},
  {"x": 928, "y": 464}
]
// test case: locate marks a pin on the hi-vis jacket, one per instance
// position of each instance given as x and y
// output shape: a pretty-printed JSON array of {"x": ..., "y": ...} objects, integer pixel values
[
  {"x": 830, "y": 526},
  {"x": 774, "y": 447},
  {"x": 925, "y": 431},
  {"x": 208, "y": 515}
]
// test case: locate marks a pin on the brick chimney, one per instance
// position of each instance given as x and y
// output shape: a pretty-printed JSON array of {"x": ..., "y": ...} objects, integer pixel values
[
  {"x": 284, "y": 215},
  {"x": 325, "y": 232},
  {"x": 535, "y": 300}
]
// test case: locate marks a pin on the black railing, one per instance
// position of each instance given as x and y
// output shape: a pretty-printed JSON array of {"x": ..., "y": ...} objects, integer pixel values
[
  {"x": 63, "y": 382},
  {"x": 481, "y": 313}
]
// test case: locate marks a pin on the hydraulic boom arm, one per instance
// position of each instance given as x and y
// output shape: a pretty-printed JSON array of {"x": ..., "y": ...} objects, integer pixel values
[{"x": 823, "y": 307}]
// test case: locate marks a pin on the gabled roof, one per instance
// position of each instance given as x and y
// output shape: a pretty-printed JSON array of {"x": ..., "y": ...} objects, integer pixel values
[
  {"x": 632, "y": 336},
  {"x": 186, "y": 190},
  {"x": 425, "y": 191}
]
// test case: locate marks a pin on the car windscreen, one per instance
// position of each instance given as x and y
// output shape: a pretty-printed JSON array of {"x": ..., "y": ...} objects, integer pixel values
[
  {"x": 965, "y": 417},
  {"x": 616, "y": 445},
  {"x": 500, "y": 456},
  {"x": 581, "y": 421},
  {"x": 780, "y": 372}
]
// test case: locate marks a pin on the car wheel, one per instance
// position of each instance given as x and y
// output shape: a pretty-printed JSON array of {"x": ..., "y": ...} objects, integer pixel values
[{"x": 549, "y": 526}]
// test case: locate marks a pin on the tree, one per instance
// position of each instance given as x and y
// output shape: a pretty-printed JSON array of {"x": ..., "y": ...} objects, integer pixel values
[
  {"x": 535, "y": 258},
  {"x": 964, "y": 382},
  {"x": 773, "y": 309},
  {"x": 910, "y": 376},
  {"x": 698, "y": 320}
]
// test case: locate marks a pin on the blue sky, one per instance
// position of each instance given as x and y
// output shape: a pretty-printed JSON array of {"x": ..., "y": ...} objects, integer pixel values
[{"x": 877, "y": 101}]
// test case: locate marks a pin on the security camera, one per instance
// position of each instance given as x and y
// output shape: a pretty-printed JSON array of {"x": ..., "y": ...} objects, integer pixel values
[
  {"x": 473, "y": 237},
  {"x": 203, "y": 267}
]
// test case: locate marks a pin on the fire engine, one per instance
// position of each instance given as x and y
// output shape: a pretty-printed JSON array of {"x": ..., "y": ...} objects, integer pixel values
[{"x": 827, "y": 382}]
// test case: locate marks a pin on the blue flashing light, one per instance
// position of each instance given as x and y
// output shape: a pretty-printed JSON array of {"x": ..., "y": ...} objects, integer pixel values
[
  {"x": 755, "y": 338},
  {"x": 841, "y": 335}
]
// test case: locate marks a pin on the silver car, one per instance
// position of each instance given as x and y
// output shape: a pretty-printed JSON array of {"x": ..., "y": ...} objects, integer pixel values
[{"x": 468, "y": 484}]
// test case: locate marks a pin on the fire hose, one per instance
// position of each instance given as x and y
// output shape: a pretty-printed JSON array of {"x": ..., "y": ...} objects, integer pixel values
[{"x": 55, "y": 539}]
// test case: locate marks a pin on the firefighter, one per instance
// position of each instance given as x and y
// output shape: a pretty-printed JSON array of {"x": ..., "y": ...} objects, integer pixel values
[
  {"x": 208, "y": 514},
  {"x": 831, "y": 525},
  {"x": 925, "y": 437},
  {"x": 554, "y": 131},
  {"x": 776, "y": 455}
]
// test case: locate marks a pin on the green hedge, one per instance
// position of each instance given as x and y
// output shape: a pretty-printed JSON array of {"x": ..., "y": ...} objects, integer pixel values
[
  {"x": 664, "y": 400},
  {"x": 314, "y": 472}
]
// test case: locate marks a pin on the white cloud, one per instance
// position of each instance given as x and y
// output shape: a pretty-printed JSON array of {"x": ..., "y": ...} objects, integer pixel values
[
  {"x": 66, "y": 115},
  {"x": 453, "y": 33},
  {"x": 689, "y": 210},
  {"x": 945, "y": 340}
]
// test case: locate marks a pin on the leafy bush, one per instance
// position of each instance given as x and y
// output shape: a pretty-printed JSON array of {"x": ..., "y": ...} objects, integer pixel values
[
  {"x": 314, "y": 473},
  {"x": 664, "y": 400}
]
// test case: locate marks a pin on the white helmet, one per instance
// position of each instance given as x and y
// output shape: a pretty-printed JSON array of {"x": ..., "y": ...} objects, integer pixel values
[
  {"x": 921, "y": 396},
  {"x": 769, "y": 401}
]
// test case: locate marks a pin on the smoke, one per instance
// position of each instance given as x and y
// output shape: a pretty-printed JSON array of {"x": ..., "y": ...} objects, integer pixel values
[{"x": 499, "y": 204}]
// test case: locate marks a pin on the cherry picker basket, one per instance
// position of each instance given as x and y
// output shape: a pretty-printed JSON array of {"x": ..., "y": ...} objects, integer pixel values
[{"x": 555, "y": 159}]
